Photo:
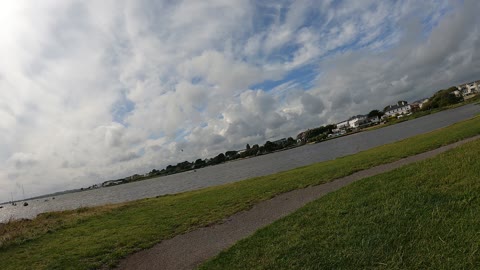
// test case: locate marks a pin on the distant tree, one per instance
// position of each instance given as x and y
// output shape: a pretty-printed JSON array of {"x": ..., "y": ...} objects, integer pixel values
[
  {"x": 269, "y": 146},
  {"x": 290, "y": 141},
  {"x": 314, "y": 132},
  {"x": 220, "y": 158},
  {"x": 250, "y": 151},
  {"x": 217, "y": 160},
  {"x": 154, "y": 172},
  {"x": 183, "y": 166},
  {"x": 330, "y": 128},
  {"x": 442, "y": 98},
  {"x": 375, "y": 113},
  {"x": 231, "y": 154},
  {"x": 318, "y": 138},
  {"x": 170, "y": 168},
  {"x": 199, "y": 163}
]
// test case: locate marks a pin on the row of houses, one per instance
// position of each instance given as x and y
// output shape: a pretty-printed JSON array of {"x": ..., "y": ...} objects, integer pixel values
[
  {"x": 354, "y": 123},
  {"x": 400, "y": 109},
  {"x": 403, "y": 108},
  {"x": 360, "y": 121},
  {"x": 469, "y": 89}
]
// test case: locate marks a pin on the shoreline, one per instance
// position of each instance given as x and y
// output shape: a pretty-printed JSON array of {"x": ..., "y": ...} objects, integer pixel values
[{"x": 243, "y": 169}]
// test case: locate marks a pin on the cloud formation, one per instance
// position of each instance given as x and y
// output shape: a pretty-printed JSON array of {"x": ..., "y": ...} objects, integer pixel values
[{"x": 96, "y": 90}]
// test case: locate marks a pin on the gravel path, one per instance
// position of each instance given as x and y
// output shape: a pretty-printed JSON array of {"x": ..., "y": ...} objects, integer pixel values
[{"x": 189, "y": 250}]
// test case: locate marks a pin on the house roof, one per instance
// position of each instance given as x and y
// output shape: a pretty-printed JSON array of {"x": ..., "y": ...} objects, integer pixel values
[
  {"x": 419, "y": 101},
  {"x": 394, "y": 107}
]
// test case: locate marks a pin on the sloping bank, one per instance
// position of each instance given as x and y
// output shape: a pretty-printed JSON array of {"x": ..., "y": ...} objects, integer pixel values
[{"x": 93, "y": 237}]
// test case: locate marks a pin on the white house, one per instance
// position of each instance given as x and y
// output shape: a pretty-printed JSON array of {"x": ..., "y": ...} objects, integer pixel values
[
  {"x": 357, "y": 121},
  {"x": 469, "y": 88},
  {"x": 402, "y": 107},
  {"x": 353, "y": 122},
  {"x": 343, "y": 125}
]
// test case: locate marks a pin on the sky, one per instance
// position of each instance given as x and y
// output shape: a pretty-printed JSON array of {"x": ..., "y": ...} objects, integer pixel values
[{"x": 99, "y": 90}]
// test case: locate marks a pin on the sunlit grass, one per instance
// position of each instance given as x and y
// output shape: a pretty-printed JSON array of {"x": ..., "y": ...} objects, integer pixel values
[{"x": 422, "y": 216}]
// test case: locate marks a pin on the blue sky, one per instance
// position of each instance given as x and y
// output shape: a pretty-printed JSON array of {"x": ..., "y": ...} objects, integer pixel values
[{"x": 97, "y": 90}]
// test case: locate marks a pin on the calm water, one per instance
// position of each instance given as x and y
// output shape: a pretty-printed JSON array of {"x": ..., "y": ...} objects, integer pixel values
[{"x": 242, "y": 169}]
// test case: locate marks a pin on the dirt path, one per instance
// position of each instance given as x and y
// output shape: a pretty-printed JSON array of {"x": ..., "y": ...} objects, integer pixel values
[{"x": 189, "y": 250}]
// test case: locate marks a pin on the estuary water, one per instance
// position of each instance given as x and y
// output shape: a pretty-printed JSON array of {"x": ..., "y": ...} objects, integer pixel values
[{"x": 241, "y": 169}]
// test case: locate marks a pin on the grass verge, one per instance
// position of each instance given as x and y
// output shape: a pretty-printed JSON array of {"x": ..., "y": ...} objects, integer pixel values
[
  {"x": 421, "y": 216},
  {"x": 95, "y": 237}
]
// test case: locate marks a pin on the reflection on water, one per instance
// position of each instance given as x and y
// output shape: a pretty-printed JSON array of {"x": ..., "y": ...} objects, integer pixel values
[{"x": 241, "y": 169}]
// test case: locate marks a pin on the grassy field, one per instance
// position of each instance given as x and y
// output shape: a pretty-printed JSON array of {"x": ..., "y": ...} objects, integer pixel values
[
  {"x": 93, "y": 237},
  {"x": 422, "y": 216}
]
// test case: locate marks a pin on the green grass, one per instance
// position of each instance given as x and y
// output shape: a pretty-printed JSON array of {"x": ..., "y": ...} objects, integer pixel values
[
  {"x": 421, "y": 216},
  {"x": 94, "y": 237}
]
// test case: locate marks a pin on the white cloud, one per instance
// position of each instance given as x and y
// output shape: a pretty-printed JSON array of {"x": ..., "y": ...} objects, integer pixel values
[{"x": 96, "y": 90}]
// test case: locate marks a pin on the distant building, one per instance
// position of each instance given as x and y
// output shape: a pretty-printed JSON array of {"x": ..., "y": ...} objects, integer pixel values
[
  {"x": 373, "y": 120},
  {"x": 356, "y": 121},
  {"x": 470, "y": 88},
  {"x": 402, "y": 107},
  {"x": 343, "y": 125},
  {"x": 353, "y": 122},
  {"x": 418, "y": 104}
]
